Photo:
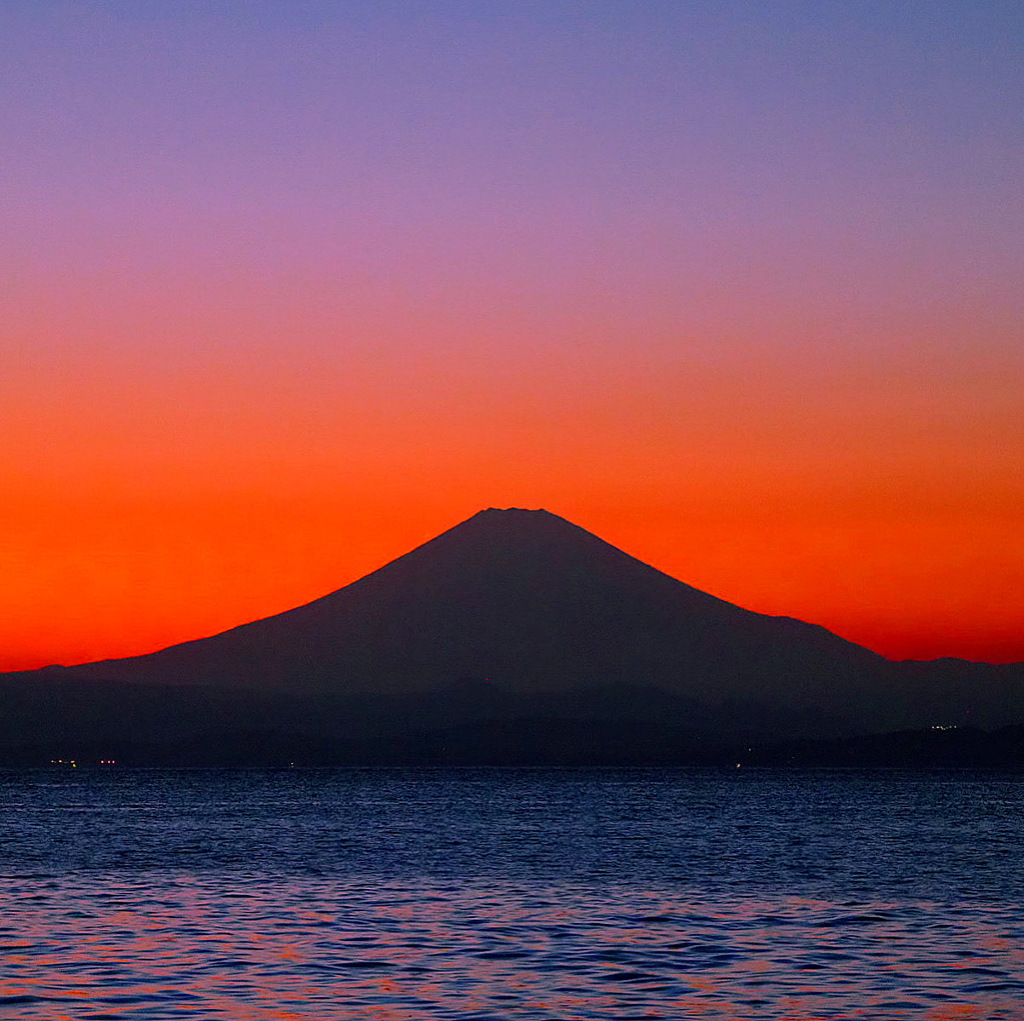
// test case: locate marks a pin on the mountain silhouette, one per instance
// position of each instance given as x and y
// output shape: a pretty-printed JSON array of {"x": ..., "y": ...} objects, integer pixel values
[{"x": 516, "y": 622}]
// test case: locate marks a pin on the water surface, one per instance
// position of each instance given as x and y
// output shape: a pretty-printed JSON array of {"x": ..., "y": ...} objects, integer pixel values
[{"x": 510, "y": 894}]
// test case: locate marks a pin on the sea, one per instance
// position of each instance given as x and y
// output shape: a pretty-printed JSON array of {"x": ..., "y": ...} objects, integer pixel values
[{"x": 500, "y": 894}]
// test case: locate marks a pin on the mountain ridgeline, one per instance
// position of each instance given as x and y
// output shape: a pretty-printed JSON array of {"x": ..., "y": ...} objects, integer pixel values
[{"x": 515, "y": 637}]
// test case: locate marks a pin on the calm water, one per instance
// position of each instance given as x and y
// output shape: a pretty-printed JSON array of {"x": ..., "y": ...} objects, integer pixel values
[{"x": 506, "y": 894}]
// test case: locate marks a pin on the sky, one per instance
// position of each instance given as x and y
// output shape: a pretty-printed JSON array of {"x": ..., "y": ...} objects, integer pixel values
[{"x": 287, "y": 287}]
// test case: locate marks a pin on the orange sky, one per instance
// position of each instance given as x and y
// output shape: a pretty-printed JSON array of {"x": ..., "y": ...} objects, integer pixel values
[
  {"x": 735, "y": 288},
  {"x": 879, "y": 495}
]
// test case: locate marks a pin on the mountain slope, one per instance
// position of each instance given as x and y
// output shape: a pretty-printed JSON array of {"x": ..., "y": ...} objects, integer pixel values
[
  {"x": 551, "y": 618},
  {"x": 523, "y": 597}
]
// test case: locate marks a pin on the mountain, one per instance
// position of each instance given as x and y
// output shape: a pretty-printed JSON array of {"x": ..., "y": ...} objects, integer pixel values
[{"x": 514, "y": 623}]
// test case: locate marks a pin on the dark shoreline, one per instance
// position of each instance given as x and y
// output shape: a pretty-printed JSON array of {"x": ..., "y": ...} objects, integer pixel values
[{"x": 543, "y": 744}]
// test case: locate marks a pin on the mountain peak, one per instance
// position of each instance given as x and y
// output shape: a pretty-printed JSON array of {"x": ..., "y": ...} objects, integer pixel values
[
  {"x": 514, "y": 513},
  {"x": 517, "y": 524},
  {"x": 514, "y": 510}
]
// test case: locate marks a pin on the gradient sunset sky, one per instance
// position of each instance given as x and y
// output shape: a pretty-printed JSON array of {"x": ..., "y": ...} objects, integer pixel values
[{"x": 287, "y": 287}]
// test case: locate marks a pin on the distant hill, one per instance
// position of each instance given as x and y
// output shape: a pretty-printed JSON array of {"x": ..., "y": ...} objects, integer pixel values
[{"x": 511, "y": 626}]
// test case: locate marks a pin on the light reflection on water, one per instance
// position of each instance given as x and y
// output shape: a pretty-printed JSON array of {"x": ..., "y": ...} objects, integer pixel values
[{"x": 165, "y": 920}]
